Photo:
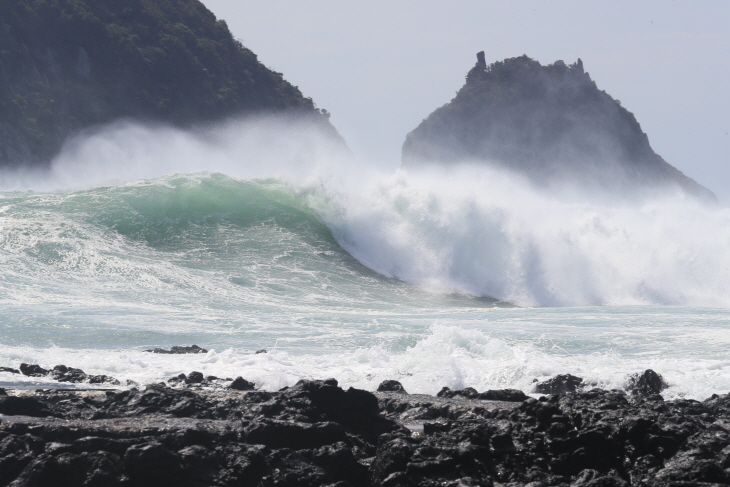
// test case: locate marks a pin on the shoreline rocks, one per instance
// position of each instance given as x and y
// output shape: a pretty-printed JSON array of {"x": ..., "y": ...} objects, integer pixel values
[
  {"x": 316, "y": 433},
  {"x": 178, "y": 350},
  {"x": 62, "y": 373}
]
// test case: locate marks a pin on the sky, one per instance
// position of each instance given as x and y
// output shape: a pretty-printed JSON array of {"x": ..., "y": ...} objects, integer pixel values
[{"x": 380, "y": 67}]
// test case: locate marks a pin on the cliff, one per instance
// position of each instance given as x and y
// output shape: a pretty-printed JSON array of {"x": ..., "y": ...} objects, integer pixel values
[
  {"x": 69, "y": 64},
  {"x": 550, "y": 123}
]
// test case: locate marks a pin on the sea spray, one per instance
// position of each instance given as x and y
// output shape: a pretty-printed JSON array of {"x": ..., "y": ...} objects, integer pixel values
[{"x": 486, "y": 233}]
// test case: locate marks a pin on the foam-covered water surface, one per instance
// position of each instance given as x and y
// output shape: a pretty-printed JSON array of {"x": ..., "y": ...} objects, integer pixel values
[{"x": 143, "y": 237}]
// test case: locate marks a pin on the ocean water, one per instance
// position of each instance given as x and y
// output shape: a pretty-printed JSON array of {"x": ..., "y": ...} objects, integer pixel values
[{"x": 263, "y": 235}]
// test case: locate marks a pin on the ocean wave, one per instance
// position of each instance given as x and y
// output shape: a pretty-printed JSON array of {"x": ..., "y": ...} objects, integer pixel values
[
  {"x": 482, "y": 232},
  {"x": 335, "y": 225}
]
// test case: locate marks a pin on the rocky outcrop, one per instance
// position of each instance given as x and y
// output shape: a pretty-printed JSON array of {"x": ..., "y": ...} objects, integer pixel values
[
  {"x": 62, "y": 373},
  {"x": 179, "y": 350},
  {"x": 549, "y": 123},
  {"x": 66, "y": 66}
]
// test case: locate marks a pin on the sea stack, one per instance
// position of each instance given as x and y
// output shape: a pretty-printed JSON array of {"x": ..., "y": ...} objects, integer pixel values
[
  {"x": 67, "y": 66},
  {"x": 549, "y": 123}
]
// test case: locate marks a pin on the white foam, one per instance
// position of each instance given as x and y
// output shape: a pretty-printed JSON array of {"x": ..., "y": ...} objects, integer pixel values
[
  {"x": 478, "y": 231},
  {"x": 451, "y": 356}
]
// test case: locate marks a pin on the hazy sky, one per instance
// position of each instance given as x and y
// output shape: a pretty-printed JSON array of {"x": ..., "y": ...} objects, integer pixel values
[{"x": 380, "y": 67}]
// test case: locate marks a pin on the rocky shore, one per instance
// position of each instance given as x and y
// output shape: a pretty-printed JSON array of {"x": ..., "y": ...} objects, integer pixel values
[{"x": 207, "y": 433}]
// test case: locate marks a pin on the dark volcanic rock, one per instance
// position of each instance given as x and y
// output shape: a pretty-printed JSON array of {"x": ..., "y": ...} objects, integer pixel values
[
  {"x": 8, "y": 369},
  {"x": 194, "y": 378},
  {"x": 241, "y": 384},
  {"x": 23, "y": 406},
  {"x": 68, "y": 374},
  {"x": 292, "y": 434},
  {"x": 62, "y": 373},
  {"x": 33, "y": 370},
  {"x": 508, "y": 395},
  {"x": 391, "y": 386},
  {"x": 469, "y": 393},
  {"x": 315, "y": 434},
  {"x": 646, "y": 383},
  {"x": 103, "y": 379},
  {"x": 560, "y": 384},
  {"x": 177, "y": 378},
  {"x": 551, "y": 124},
  {"x": 317, "y": 401},
  {"x": 179, "y": 350},
  {"x": 263, "y": 350}
]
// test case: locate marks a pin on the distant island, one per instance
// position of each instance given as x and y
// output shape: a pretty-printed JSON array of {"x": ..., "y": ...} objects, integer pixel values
[
  {"x": 69, "y": 65},
  {"x": 550, "y": 123}
]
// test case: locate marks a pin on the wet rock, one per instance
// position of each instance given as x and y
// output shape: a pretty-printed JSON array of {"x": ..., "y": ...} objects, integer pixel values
[
  {"x": 23, "y": 406},
  {"x": 105, "y": 379},
  {"x": 9, "y": 369},
  {"x": 179, "y": 350},
  {"x": 343, "y": 465},
  {"x": 646, "y": 383},
  {"x": 295, "y": 435},
  {"x": 177, "y": 378},
  {"x": 61, "y": 373},
  {"x": 263, "y": 350},
  {"x": 356, "y": 410},
  {"x": 68, "y": 470},
  {"x": 507, "y": 395},
  {"x": 241, "y": 384},
  {"x": 469, "y": 393},
  {"x": 391, "y": 386},
  {"x": 152, "y": 463},
  {"x": 194, "y": 378},
  {"x": 33, "y": 370},
  {"x": 315, "y": 433},
  {"x": 2, "y": 392},
  {"x": 560, "y": 384}
]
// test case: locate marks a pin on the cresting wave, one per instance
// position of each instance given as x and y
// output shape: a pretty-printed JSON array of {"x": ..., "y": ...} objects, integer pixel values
[
  {"x": 467, "y": 229},
  {"x": 259, "y": 235},
  {"x": 476, "y": 231}
]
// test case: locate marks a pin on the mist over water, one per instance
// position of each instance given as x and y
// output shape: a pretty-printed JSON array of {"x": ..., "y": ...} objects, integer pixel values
[{"x": 264, "y": 234}]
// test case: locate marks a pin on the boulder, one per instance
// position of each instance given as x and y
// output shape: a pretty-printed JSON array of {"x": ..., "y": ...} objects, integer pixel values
[
  {"x": 560, "y": 384},
  {"x": 61, "y": 373},
  {"x": 241, "y": 384},
  {"x": 468, "y": 393},
  {"x": 391, "y": 386},
  {"x": 179, "y": 350},
  {"x": 506, "y": 395},
  {"x": 194, "y": 378},
  {"x": 646, "y": 384},
  {"x": 33, "y": 370}
]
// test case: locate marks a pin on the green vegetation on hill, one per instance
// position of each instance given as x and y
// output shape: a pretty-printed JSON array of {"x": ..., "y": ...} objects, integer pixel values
[
  {"x": 69, "y": 64},
  {"x": 550, "y": 123}
]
